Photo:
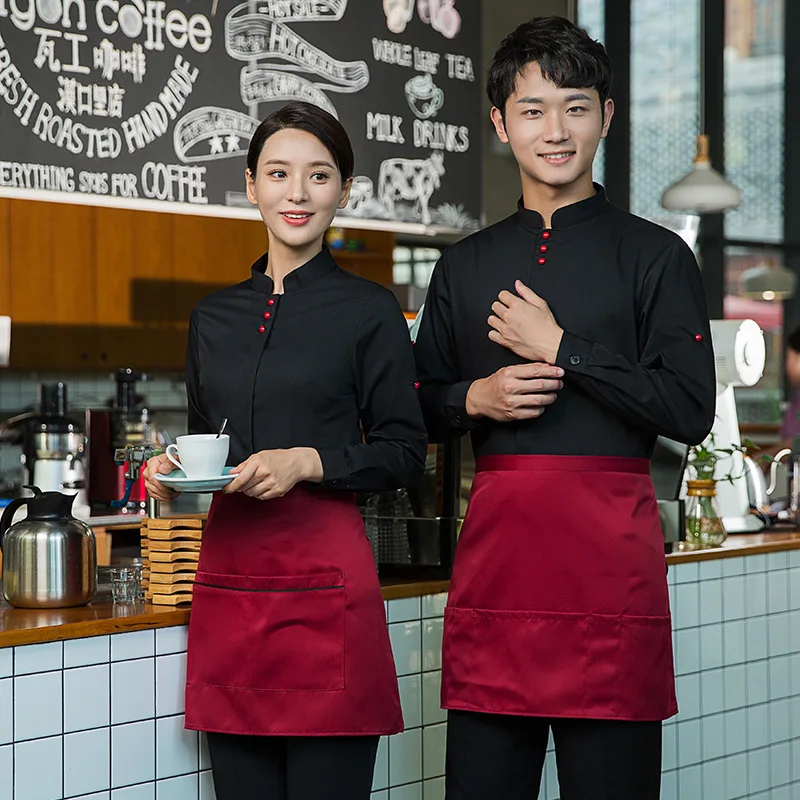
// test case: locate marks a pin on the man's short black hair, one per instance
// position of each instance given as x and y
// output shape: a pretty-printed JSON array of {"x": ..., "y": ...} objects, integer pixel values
[{"x": 565, "y": 53}]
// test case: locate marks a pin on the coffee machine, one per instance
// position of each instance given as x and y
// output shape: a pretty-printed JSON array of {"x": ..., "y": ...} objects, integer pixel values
[
  {"x": 740, "y": 355},
  {"x": 53, "y": 445},
  {"x": 125, "y": 425}
]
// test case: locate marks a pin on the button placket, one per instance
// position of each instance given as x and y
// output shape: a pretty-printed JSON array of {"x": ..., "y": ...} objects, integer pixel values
[
  {"x": 543, "y": 247},
  {"x": 267, "y": 315}
]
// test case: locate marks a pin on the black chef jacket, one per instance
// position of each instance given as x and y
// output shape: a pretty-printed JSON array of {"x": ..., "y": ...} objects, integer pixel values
[
  {"x": 309, "y": 368},
  {"x": 636, "y": 349}
]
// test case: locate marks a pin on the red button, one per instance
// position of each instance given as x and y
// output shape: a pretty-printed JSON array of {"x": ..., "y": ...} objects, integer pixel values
[
  {"x": 267, "y": 315},
  {"x": 698, "y": 338},
  {"x": 271, "y": 301},
  {"x": 261, "y": 329},
  {"x": 416, "y": 384},
  {"x": 542, "y": 260},
  {"x": 546, "y": 234},
  {"x": 543, "y": 248}
]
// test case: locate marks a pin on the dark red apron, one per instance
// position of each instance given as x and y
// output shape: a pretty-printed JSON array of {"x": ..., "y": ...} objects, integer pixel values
[
  {"x": 288, "y": 632},
  {"x": 558, "y": 605}
]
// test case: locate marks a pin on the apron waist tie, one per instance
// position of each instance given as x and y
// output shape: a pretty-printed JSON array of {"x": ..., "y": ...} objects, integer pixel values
[{"x": 537, "y": 463}]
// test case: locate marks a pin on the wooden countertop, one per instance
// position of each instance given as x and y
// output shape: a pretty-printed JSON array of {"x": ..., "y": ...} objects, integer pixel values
[
  {"x": 743, "y": 544},
  {"x": 26, "y": 626},
  {"x": 20, "y": 626}
]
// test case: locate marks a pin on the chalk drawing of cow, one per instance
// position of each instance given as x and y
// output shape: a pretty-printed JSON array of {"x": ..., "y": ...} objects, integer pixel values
[{"x": 410, "y": 179}]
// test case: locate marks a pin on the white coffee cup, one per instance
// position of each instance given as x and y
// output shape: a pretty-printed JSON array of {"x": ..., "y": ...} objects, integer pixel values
[{"x": 202, "y": 455}]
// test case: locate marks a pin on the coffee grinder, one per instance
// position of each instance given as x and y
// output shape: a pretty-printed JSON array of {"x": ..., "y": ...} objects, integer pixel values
[{"x": 53, "y": 445}]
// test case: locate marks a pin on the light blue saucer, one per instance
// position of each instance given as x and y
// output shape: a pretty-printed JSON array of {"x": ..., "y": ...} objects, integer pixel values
[{"x": 177, "y": 480}]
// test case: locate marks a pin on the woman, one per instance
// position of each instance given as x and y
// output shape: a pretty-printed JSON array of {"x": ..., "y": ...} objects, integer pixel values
[{"x": 290, "y": 669}]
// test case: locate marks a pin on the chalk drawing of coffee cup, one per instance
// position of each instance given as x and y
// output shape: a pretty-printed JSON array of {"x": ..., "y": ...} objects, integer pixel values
[
  {"x": 423, "y": 96},
  {"x": 398, "y": 14}
]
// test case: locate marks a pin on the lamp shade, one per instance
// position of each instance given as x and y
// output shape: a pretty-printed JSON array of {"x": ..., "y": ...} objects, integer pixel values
[
  {"x": 765, "y": 282},
  {"x": 703, "y": 190}
]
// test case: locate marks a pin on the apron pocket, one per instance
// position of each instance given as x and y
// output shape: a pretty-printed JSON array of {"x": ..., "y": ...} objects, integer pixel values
[
  {"x": 279, "y": 634},
  {"x": 514, "y": 662}
]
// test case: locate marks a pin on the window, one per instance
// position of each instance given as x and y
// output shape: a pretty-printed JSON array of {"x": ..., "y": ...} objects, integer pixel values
[
  {"x": 754, "y": 137},
  {"x": 665, "y": 81},
  {"x": 414, "y": 265},
  {"x": 762, "y": 402},
  {"x": 591, "y": 18},
  {"x": 754, "y": 88}
]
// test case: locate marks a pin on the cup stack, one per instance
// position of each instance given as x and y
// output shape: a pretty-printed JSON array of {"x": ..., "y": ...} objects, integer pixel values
[{"x": 170, "y": 549}]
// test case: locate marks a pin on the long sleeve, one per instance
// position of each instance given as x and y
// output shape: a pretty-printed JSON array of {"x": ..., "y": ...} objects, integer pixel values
[
  {"x": 197, "y": 422},
  {"x": 671, "y": 391},
  {"x": 442, "y": 395},
  {"x": 393, "y": 451}
]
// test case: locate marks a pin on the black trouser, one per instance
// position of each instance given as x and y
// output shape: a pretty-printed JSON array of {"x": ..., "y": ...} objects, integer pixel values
[
  {"x": 292, "y": 767},
  {"x": 500, "y": 757}
]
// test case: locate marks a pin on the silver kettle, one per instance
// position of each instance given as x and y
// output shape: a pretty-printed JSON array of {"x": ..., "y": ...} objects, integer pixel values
[
  {"x": 761, "y": 494},
  {"x": 49, "y": 558}
]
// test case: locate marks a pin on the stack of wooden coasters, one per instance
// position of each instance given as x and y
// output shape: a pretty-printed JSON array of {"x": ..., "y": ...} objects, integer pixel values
[{"x": 170, "y": 550}]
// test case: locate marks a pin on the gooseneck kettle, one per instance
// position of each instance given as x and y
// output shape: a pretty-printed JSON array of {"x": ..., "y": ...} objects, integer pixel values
[{"x": 49, "y": 558}]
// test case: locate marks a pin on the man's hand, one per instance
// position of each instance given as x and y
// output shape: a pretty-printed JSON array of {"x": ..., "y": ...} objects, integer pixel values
[
  {"x": 272, "y": 473},
  {"x": 525, "y": 325},
  {"x": 156, "y": 489},
  {"x": 521, "y": 391}
]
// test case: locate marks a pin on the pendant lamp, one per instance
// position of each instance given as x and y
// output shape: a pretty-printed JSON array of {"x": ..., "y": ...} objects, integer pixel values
[
  {"x": 768, "y": 282},
  {"x": 703, "y": 190}
]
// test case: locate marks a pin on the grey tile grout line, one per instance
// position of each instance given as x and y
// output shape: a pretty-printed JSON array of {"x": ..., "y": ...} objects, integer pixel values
[
  {"x": 13, "y": 723},
  {"x": 769, "y": 695},
  {"x": 122, "y": 725},
  {"x": 110, "y": 729},
  {"x": 199, "y": 746},
  {"x": 63, "y": 726},
  {"x": 155, "y": 718}
]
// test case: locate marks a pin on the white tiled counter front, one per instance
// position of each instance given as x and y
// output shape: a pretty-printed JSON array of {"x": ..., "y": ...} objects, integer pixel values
[
  {"x": 102, "y": 717},
  {"x": 736, "y": 631}
]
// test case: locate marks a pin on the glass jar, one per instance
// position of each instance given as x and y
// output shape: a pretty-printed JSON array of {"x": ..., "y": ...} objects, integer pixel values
[{"x": 704, "y": 526}]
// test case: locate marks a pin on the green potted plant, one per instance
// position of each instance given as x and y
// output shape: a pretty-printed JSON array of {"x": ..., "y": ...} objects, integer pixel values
[{"x": 704, "y": 526}]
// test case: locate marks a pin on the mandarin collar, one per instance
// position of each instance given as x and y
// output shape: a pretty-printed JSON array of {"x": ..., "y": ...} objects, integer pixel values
[
  {"x": 321, "y": 264},
  {"x": 573, "y": 214}
]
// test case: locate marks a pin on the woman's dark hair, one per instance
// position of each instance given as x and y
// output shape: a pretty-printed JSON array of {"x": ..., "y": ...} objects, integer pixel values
[
  {"x": 565, "y": 53},
  {"x": 312, "y": 119},
  {"x": 793, "y": 339}
]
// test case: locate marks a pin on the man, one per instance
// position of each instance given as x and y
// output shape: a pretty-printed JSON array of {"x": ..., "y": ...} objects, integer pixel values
[{"x": 564, "y": 339}]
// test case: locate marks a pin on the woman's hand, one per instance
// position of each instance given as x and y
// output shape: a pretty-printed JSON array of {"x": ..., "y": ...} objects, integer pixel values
[
  {"x": 156, "y": 489},
  {"x": 272, "y": 473}
]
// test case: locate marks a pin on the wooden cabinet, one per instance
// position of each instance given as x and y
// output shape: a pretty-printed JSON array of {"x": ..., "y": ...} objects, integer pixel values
[
  {"x": 5, "y": 255},
  {"x": 91, "y": 288}
]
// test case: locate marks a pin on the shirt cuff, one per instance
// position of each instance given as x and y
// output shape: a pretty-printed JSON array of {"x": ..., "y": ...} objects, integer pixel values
[
  {"x": 573, "y": 353},
  {"x": 335, "y": 472},
  {"x": 456, "y": 407}
]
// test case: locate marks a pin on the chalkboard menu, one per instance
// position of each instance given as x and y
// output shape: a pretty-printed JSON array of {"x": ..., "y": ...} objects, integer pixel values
[{"x": 152, "y": 103}]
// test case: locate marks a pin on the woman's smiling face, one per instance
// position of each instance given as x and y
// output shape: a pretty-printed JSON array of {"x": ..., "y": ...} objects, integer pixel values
[{"x": 297, "y": 187}]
